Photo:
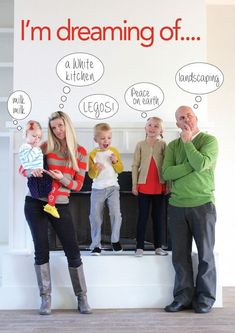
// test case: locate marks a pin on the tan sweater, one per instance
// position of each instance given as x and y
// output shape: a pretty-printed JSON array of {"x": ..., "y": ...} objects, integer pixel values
[{"x": 142, "y": 158}]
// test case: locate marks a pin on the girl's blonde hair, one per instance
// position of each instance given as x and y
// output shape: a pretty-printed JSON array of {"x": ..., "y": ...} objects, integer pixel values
[
  {"x": 53, "y": 144},
  {"x": 31, "y": 125},
  {"x": 159, "y": 120}
]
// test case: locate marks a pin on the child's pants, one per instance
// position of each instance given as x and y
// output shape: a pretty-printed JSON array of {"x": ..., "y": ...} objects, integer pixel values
[{"x": 98, "y": 198}]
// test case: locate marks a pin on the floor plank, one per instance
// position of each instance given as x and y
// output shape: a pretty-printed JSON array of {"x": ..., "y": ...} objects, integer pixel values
[{"x": 220, "y": 320}]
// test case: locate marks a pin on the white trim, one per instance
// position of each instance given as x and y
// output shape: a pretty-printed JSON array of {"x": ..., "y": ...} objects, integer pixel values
[
  {"x": 6, "y": 30},
  {"x": 133, "y": 126},
  {"x": 6, "y": 64},
  {"x": 220, "y": 2}
]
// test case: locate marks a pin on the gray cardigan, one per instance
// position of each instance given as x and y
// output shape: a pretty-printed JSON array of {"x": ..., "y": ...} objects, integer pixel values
[{"x": 142, "y": 158}]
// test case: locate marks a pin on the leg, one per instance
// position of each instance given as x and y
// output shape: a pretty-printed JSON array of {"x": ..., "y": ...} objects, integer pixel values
[
  {"x": 44, "y": 284},
  {"x": 80, "y": 290},
  {"x": 50, "y": 207},
  {"x": 157, "y": 219},
  {"x": 143, "y": 204},
  {"x": 203, "y": 224},
  {"x": 64, "y": 228},
  {"x": 38, "y": 223},
  {"x": 181, "y": 236},
  {"x": 66, "y": 233},
  {"x": 113, "y": 201},
  {"x": 96, "y": 216}
]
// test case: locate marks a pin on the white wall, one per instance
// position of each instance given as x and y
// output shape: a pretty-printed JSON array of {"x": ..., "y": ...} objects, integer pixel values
[
  {"x": 125, "y": 62},
  {"x": 4, "y": 193},
  {"x": 221, "y": 110}
]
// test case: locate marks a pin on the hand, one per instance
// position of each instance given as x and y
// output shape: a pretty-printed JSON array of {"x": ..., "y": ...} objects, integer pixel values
[
  {"x": 135, "y": 190},
  {"x": 37, "y": 172},
  {"x": 167, "y": 190},
  {"x": 186, "y": 134},
  {"x": 113, "y": 158},
  {"x": 99, "y": 166},
  {"x": 55, "y": 174}
]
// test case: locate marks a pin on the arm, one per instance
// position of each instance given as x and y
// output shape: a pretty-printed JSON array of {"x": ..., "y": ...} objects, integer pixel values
[
  {"x": 170, "y": 170},
  {"x": 117, "y": 162},
  {"x": 77, "y": 182},
  {"x": 135, "y": 168},
  {"x": 205, "y": 157},
  {"x": 93, "y": 170}
]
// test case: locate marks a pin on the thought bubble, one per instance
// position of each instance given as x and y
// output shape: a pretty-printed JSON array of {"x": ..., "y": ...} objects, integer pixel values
[
  {"x": 80, "y": 69},
  {"x": 199, "y": 78},
  {"x": 98, "y": 106},
  {"x": 19, "y": 105},
  {"x": 144, "y": 97}
]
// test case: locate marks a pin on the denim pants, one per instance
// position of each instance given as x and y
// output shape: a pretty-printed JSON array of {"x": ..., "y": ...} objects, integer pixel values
[
  {"x": 98, "y": 198},
  {"x": 145, "y": 202},
  {"x": 186, "y": 224},
  {"x": 38, "y": 222}
]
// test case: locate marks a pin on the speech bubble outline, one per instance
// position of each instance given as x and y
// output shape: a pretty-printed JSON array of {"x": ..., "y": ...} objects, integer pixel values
[
  {"x": 86, "y": 67},
  {"x": 137, "y": 101},
  {"x": 19, "y": 105},
  {"x": 102, "y": 99},
  {"x": 202, "y": 78}
]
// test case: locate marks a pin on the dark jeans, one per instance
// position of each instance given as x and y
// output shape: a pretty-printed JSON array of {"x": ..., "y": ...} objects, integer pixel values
[
  {"x": 38, "y": 222},
  {"x": 186, "y": 224},
  {"x": 145, "y": 201}
]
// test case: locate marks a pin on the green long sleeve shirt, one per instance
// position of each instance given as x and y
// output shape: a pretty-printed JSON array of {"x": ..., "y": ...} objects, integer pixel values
[{"x": 190, "y": 169}]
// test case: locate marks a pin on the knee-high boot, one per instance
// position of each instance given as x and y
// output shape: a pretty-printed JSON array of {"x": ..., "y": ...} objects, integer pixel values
[
  {"x": 80, "y": 289},
  {"x": 44, "y": 284}
]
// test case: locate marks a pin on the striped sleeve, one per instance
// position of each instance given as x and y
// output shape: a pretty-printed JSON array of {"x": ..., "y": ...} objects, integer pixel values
[
  {"x": 76, "y": 183},
  {"x": 22, "y": 171}
]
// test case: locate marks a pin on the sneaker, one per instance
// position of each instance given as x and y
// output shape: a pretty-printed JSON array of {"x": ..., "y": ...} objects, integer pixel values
[
  {"x": 117, "y": 247},
  {"x": 96, "y": 251},
  {"x": 139, "y": 252},
  {"x": 160, "y": 252}
]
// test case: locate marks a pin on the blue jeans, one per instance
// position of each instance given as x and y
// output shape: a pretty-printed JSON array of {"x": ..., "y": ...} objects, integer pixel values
[
  {"x": 98, "y": 198},
  {"x": 186, "y": 224},
  {"x": 38, "y": 222}
]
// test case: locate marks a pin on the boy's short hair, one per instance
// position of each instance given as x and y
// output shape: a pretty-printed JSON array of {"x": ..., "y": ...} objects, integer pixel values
[{"x": 101, "y": 127}]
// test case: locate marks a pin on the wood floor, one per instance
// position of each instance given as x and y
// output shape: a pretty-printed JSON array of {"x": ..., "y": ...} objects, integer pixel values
[{"x": 220, "y": 320}]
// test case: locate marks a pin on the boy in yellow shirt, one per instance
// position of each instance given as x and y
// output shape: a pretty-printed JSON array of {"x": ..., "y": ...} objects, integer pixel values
[{"x": 104, "y": 166}]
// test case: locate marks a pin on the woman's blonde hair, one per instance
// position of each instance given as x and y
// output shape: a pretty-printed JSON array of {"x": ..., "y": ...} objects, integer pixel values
[
  {"x": 53, "y": 144},
  {"x": 159, "y": 120}
]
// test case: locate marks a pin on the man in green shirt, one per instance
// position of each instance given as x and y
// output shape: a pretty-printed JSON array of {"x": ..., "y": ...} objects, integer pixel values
[{"x": 189, "y": 165}]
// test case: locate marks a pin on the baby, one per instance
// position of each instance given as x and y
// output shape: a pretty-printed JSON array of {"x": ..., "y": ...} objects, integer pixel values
[{"x": 31, "y": 157}]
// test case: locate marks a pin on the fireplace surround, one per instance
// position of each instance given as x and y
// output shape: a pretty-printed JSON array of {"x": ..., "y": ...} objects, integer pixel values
[{"x": 80, "y": 209}]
